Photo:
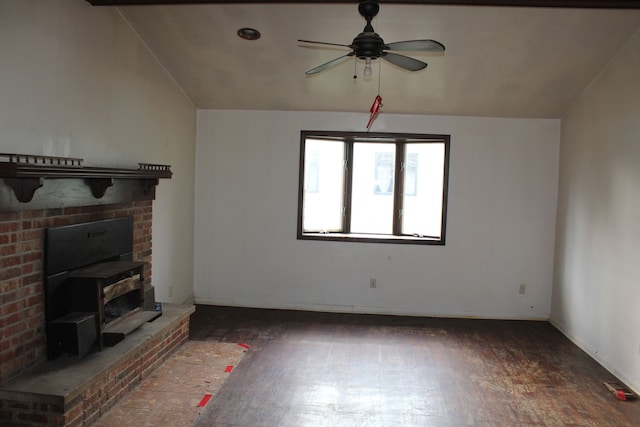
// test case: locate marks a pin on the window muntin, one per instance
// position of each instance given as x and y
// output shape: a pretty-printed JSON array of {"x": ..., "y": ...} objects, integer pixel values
[{"x": 376, "y": 187}]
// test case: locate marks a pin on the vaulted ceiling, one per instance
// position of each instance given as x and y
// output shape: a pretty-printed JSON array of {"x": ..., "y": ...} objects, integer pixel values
[{"x": 502, "y": 61}]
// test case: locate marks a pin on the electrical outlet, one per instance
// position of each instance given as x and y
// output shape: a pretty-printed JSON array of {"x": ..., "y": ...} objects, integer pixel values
[
  {"x": 373, "y": 283},
  {"x": 522, "y": 289}
]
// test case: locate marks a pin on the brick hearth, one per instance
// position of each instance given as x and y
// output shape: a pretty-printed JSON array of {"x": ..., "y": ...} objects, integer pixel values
[{"x": 71, "y": 392}]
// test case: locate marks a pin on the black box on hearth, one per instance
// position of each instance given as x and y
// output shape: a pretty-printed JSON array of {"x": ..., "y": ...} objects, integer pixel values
[{"x": 75, "y": 333}]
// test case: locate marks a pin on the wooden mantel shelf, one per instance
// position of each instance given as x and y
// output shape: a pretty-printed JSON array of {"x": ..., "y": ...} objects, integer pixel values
[{"x": 26, "y": 174}]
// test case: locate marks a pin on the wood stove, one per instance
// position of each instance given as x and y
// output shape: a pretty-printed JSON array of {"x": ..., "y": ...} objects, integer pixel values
[{"x": 95, "y": 294}]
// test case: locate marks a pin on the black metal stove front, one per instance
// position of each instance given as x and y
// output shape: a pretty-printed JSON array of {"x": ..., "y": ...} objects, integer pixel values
[{"x": 94, "y": 293}]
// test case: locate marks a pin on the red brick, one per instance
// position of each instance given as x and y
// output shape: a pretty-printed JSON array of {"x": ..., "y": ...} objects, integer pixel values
[
  {"x": 32, "y": 278},
  {"x": 90, "y": 418},
  {"x": 7, "y": 344},
  {"x": 56, "y": 420},
  {"x": 33, "y": 214},
  {"x": 10, "y": 261},
  {"x": 10, "y": 273},
  {"x": 36, "y": 323},
  {"x": 47, "y": 407},
  {"x": 72, "y": 211},
  {"x": 81, "y": 218},
  {"x": 32, "y": 256},
  {"x": 10, "y": 249},
  {"x": 12, "y": 307},
  {"x": 35, "y": 245},
  {"x": 32, "y": 234},
  {"x": 7, "y": 297},
  {"x": 9, "y": 285},
  {"x": 9, "y": 325},
  {"x": 44, "y": 222},
  {"x": 34, "y": 300},
  {"x": 87, "y": 209},
  {"x": 34, "y": 418},
  {"x": 33, "y": 310},
  {"x": 12, "y": 404},
  {"x": 11, "y": 369},
  {"x": 8, "y": 227},
  {"x": 27, "y": 268},
  {"x": 73, "y": 412},
  {"x": 53, "y": 212},
  {"x": 61, "y": 220},
  {"x": 9, "y": 216},
  {"x": 27, "y": 336},
  {"x": 29, "y": 290}
]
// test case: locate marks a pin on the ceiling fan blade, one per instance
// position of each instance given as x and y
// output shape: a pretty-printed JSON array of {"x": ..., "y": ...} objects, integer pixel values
[
  {"x": 325, "y": 43},
  {"x": 405, "y": 62},
  {"x": 331, "y": 63},
  {"x": 417, "y": 45}
]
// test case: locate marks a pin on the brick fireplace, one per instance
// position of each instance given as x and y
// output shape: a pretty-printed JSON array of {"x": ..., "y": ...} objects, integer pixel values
[
  {"x": 36, "y": 391},
  {"x": 22, "y": 314}
]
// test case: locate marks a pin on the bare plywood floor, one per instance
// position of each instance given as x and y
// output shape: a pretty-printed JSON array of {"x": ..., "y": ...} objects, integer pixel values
[
  {"x": 320, "y": 369},
  {"x": 172, "y": 394}
]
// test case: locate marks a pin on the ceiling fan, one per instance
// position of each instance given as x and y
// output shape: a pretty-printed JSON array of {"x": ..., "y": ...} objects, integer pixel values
[{"x": 368, "y": 45}]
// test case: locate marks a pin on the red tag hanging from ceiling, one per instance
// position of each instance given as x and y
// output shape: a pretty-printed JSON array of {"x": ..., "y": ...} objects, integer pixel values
[{"x": 375, "y": 108}]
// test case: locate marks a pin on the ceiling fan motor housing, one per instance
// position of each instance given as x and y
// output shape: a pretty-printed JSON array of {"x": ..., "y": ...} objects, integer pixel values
[{"x": 368, "y": 45}]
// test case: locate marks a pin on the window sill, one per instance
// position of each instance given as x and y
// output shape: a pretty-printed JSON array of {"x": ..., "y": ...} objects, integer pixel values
[{"x": 372, "y": 238}]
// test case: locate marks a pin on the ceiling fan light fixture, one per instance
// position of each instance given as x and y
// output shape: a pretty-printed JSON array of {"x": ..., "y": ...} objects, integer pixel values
[
  {"x": 367, "y": 73},
  {"x": 249, "y": 33}
]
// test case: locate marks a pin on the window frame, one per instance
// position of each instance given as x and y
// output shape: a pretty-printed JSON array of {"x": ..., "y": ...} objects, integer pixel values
[{"x": 350, "y": 138}]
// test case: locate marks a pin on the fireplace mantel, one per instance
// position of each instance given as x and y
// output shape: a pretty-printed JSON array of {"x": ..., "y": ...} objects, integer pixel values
[{"x": 45, "y": 182}]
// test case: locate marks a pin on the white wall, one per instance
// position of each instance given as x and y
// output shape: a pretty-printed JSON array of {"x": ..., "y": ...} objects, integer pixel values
[
  {"x": 500, "y": 232},
  {"x": 597, "y": 268},
  {"x": 76, "y": 81}
]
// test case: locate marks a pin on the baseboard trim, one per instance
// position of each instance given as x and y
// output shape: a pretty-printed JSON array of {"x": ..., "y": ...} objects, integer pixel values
[{"x": 333, "y": 308}]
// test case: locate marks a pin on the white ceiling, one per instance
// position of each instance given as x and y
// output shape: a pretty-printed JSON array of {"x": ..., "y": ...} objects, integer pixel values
[{"x": 499, "y": 61}]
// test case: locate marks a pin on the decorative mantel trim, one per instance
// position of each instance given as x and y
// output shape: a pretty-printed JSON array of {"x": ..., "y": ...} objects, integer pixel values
[{"x": 42, "y": 182}]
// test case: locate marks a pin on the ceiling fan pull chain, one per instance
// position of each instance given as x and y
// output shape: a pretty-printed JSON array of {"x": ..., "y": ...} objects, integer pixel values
[
  {"x": 379, "y": 74},
  {"x": 355, "y": 68}
]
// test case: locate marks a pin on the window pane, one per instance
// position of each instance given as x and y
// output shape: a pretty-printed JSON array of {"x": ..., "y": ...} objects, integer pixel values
[
  {"x": 372, "y": 188},
  {"x": 323, "y": 185},
  {"x": 423, "y": 189}
]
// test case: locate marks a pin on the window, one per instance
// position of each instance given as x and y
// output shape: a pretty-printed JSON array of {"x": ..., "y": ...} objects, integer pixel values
[{"x": 373, "y": 187}]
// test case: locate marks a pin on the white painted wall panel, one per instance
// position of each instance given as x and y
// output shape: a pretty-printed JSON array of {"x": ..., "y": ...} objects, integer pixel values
[
  {"x": 500, "y": 232},
  {"x": 596, "y": 281},
  {"x": 76, "y": 81}
]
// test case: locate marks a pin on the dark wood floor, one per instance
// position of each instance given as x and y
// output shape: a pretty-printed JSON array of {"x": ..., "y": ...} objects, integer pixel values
[{"x": 322, "y": 369}]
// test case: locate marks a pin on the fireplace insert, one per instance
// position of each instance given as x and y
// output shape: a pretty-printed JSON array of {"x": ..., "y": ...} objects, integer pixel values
[{"x": 95, "y": 294}]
